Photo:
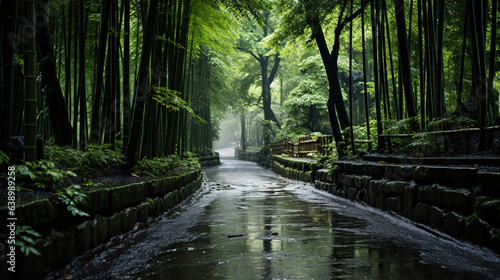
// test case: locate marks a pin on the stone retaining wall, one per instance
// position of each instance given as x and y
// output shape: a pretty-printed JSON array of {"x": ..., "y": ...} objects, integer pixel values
[
  {"x": 294, "y": 169},
  {"x": 250, "y": 156},
  {"x": 209, "y": 160},
  {"x": 113, "y": 210},
  {"x": 459, "y": 201}
]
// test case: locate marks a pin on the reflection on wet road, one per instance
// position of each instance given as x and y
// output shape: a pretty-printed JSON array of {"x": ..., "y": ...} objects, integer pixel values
[{"x": 248, "y": 223}]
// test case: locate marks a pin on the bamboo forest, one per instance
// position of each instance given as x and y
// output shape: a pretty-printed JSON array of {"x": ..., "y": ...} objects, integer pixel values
[
  {"x": 100, "y": 94},
  {"x": 156, "y": 79}
]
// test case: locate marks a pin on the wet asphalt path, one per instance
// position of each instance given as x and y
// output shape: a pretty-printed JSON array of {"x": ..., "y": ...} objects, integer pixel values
[{"x": 249, "y": 223}]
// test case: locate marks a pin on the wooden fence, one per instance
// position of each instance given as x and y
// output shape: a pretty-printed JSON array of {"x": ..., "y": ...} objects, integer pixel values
[{"x": 301, "y": 148}]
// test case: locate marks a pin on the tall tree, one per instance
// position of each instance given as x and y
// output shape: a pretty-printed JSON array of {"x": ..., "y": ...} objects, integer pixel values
[
  {"x": 30, "y": 127},
  {"x": 404, "y": 57},
  {"x": 141, "y": 94},
  {"x": 51, "y": 88},
  {"x": 336, "y": 105},
  {"x": 267, "y": 77},
  {"x": 8, "y": 12}
]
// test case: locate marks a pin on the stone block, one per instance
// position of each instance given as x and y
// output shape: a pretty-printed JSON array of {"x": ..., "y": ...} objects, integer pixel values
[
  {"x": 48, "y": 251},
  {"x": 451, "y": 199},
  {"x": 321, "y": 174},
  {"x": 97, "y": 200},
  {"x": 409, "y": 200},
  {"x": 356, "y": 168},
  {"x": 351, "y": 193},
  {"x": 158, "y": 207},
  {"x": 83, "y": 236},
  {"x": 365, "y": 180},
  {"x": 453, "y": 224},
  {"x": 143, "y": 211},
  {"x": 396, "y": 187},
  {"x": 34, "y": 213},
  {"x": 64, "y": 246},
  {"x": 477, "y": 231},
  {"x": 435, "y": 217},
  {"x": 125, "y": 195},
  {"x": 456, "y": 177},
  {"x": 308, "y": 176},
  {"x": 115, "y": 224},
  {"x": 495, "y": 239},
  {"x": 393, "y": 204},
  {"x": 132, "y": 217},
  {"x": 101, "y": 224},
  {"x": 490, "y": 211},
  {"x": 376, "y": 170},
  {"x": 348, "y": 180},
  {"x": 329, "y": 188},
  {"x": 158, "y": 187},
  {"x": 421, "y": 213}
]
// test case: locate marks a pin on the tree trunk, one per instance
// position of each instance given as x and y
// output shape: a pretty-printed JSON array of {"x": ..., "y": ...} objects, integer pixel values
[
  {"x": 95, "y": 122},
  {"x": 126, "y": 71},
  {"x": 51, "y": 88},
  {"x": 142, "y": 90},
  {"x": 404, "y": 57},
  {"x": 492, "y": 105},
  {"x": 243, "y": 130},
  {"x": 8, "y": 13},
  {"x": 30, "y": 126}
]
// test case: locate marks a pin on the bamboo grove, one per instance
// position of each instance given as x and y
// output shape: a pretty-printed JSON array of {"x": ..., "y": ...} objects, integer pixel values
[
  {"x": 124, "y": 72},
  {"x": 424, "y": 61},
  {"x": 153, "y": 78}
]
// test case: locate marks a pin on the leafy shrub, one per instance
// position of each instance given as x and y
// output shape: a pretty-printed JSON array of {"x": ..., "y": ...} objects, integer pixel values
[
  {"x": 3, "y": 158},
  {"x": 41, "y": 174},
  {"x": 164, "y": 165},
  {"x": 98, "y": 158},
  {"x": 156, "y": 166},
  {"x": 72, "y": 197},
  {"x": 25, "y": 240}
]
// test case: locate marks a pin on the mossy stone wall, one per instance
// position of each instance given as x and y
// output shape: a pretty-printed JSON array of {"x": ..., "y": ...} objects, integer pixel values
[
  {"x": 113, "y": 210},
  {"x": 459, "y": 201}
]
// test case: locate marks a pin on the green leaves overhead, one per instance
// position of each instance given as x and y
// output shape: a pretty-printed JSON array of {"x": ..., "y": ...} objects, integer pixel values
[{"x": 173, "y": 101}]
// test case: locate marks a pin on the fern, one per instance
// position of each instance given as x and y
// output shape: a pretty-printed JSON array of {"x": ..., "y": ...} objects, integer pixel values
[
  {"x": 25, "y": 240},
  {"x": 173, "y": 101}
]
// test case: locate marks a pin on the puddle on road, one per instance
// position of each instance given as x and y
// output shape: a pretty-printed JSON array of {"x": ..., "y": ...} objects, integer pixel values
[{"x": 265, "y": 227}]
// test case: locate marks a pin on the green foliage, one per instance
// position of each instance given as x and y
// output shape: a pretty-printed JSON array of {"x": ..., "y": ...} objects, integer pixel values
[
  {"x": 62, "y": 156},
  {"x": 453, "y": 122},
  {"x": 165, "y": 165},
  {"x": 98, "y": 158},
  {"x": 94, "y": 159},
  {"x": 25, "y": 240},
  {"x": 4, "y": 158},
  {"x": 90, "y": 184},
  {"x": 72, "y": 197},
  {"x": 150, "y": 202},
  {"x": 403, "y": 126},
  {"x": 173, "y": 101},
  {"x": 156, "y": 166},
  {"x": 423, "y": 143},
  {"x": 41, "y": 174}
]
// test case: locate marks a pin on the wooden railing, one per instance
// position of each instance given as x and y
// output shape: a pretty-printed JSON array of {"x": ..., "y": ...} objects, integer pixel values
[{"x": 301, "y": 148}]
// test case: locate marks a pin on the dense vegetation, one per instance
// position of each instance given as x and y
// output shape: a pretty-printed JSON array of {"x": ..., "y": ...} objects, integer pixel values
[{"x": 151, "y": 79}]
